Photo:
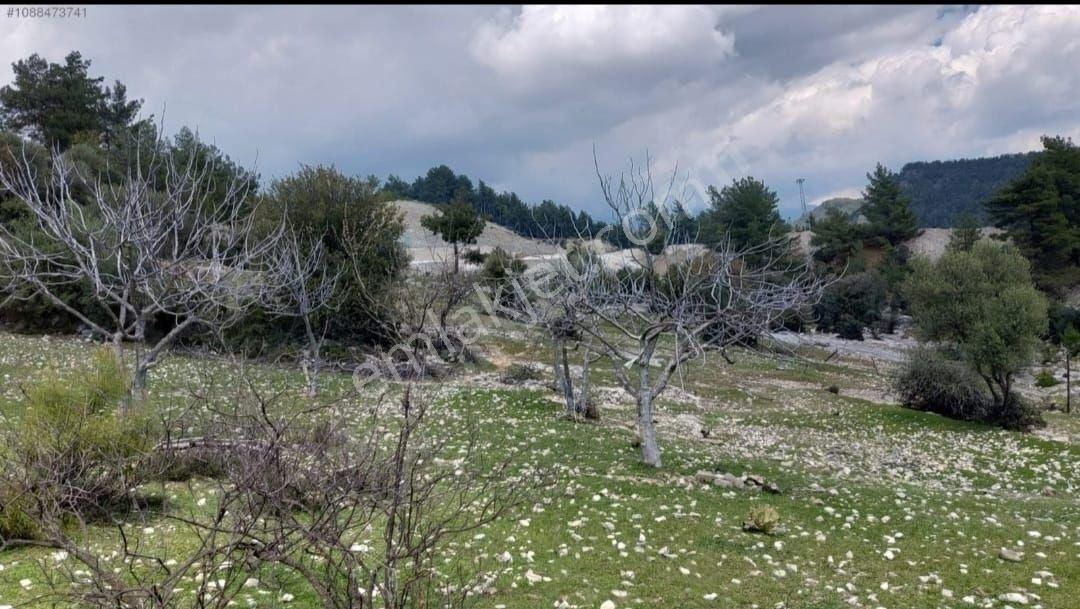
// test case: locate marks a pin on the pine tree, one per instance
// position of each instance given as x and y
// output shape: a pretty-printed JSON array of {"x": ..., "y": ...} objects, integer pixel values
[
  {"x": 1040, "y": 213},
  {"x": 837, "y": 239},
  {"x": 965, "y": 234},
  {"x": 457, "y": 223},
  {"x": 54, "y": 103},
  {"x": 887, "y": 209},
  {"x": 744, "y": 214}
]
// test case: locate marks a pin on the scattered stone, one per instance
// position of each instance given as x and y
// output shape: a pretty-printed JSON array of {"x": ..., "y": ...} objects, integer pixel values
[
  {"x": 704, "y": 477},
  {"x": 1013, "y": 597},
  {"x": 752, "y": 479},
  {"x": 728, "y": 481},
  {"x": 1010, "y": 555}
]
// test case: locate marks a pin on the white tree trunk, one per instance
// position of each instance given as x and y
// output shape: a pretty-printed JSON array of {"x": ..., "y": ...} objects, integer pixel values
[{"x": 650, "y": 449}]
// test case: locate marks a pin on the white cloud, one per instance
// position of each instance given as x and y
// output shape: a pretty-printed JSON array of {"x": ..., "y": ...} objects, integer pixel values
[
  {"x": 999, "y": 78},
  {"x": 547, "y": 44}
]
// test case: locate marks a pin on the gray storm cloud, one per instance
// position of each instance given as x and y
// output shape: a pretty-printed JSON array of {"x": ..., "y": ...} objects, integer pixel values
[{"x": 520, "y": 96}]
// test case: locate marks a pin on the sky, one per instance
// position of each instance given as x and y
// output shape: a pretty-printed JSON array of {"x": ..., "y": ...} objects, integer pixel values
[{"x": 524, "y": 97}]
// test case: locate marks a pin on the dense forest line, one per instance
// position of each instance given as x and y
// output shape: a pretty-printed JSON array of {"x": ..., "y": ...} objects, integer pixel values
[
  {"x": 941, "y": 192},
  {"x": 547, "y": 220}
]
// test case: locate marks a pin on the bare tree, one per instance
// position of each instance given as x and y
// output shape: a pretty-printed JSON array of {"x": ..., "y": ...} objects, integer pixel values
[
  {"x": 551, "y": 298},
  {"x": 670, "y": 304},
  {"x": 423, "y": 322},
  {"x": 306, "y": 290},
  {"x": 161, "y": 241}
]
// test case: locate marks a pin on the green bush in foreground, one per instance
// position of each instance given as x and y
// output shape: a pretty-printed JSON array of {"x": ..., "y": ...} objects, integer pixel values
[
  {"x": 982, "y": 305},
  {"x": 932, "y": 382},
  {"x": 72, "y": 455}
]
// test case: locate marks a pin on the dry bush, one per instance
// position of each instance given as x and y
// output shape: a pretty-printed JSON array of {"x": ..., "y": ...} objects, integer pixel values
[{"x": 356, "y": 511}]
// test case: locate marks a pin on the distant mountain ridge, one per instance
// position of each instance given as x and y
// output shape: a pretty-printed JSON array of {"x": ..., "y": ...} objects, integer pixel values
[
  {"x": 941, "y": 191},
  {"x": 850, "y": 207}
]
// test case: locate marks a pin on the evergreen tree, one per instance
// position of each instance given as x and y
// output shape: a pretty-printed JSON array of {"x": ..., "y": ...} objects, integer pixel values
[
  {"x": 743, "y": 213},
  {"x": 887, "y": 208},
  {"x": 457, "y": 223},
  {"x": 54, "y": 103},
  {"x": 395, "y": 187},
  {"x": 438, "y": 186},
  {"x": 546, "y": 220},
  {"x": 838, "y": 240},
  {"x": 1040, "y": 213},
  {"x": 965, "y": 234}
]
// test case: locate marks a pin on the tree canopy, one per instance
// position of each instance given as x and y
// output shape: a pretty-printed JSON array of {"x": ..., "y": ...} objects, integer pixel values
[
  {"x": 983, "y": 303},
  {"x": 55, "y": 104},
  {"x": 457, "y": 223},
  {"x": 546, "y": 220},
  {"x": 887, "y": 209},
  {"x": 965, "y": 234},
  {"x": 1040, "y": 213},
  {"x": 744, "y": 212},
  {"x": 838, "y": 240},
  {"x": 359, "y": 232}
]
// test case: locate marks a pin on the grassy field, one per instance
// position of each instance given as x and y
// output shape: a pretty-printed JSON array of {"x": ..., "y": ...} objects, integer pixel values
[{"x": 880, "y": 506}]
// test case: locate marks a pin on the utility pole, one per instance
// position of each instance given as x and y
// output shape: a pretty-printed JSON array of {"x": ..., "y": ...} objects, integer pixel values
[{"x": 802, "y": 194}]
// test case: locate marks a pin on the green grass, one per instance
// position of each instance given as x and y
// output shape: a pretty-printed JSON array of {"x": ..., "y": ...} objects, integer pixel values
[{"x": 859, "y": 479}]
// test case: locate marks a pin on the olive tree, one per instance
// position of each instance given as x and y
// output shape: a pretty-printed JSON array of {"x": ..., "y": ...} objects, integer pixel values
[{"x": 982, "y": 303}]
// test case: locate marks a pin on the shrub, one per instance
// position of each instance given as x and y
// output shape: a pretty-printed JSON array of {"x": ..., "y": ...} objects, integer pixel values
[
  {"x": 1045, "y": 378},
  {"x": 474, "y": 256},
  {"x": 500, "y": 265},
  {"x": 518, "y": 373},
  {"x": 762, "y": 519},
  {"x": 73, "y": 454},
  {"x": 933, "y": 382},
  {"x": 361, "y": 236},
  {"x": 499, "y": 271},
  {"x": 850, "y": 304}
]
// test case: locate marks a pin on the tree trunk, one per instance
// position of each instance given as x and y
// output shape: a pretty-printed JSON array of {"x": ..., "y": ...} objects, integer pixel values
[
  {"x": 455, "y": 258},
  {"x": 138, "y": 380},
  {"x": 1068, "y": 382},
  {"x": 650, "y": 450},
  {"x": 118, "y": 353},
  {"x": 312, "y": 357},
  {"x": 562, "y": 378},
  {"x": 589, "y": 409},
  {"x": 646, "y": 423}
]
